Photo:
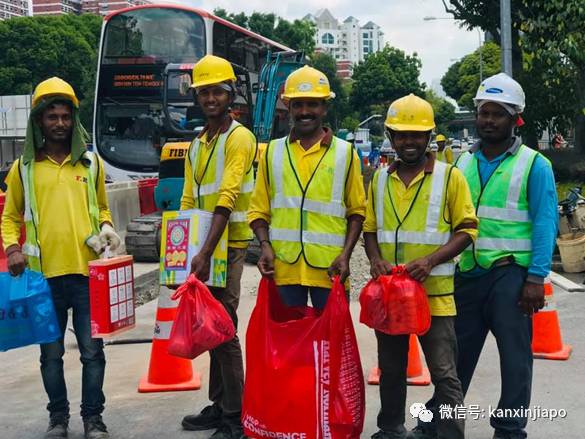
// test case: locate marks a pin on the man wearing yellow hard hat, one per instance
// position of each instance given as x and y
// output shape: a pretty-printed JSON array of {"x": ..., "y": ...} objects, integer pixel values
[
  {"x": 59, "y": 188},
  {"x": 444, "y": 153},
  {"x": 219, "y": 178},
  {"x": 420, "y": 214},
  {"x": 313, "y": 175}
]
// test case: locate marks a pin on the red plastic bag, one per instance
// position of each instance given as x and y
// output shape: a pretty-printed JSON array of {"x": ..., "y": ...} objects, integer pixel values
[
  {"x": 201, "y": 323},
  {"x": 395, "y": 304},
  {"x": 304, "y": 378}
]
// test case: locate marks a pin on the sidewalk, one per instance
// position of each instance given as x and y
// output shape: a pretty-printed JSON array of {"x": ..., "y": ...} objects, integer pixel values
[{"x": 557, "y": 385}]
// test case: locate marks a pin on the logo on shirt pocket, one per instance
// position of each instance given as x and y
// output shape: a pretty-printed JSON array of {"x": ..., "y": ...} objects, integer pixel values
[{"x": 81, "y": 179}]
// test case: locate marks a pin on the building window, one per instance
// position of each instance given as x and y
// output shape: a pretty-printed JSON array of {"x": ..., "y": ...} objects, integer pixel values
[
  {"x": 365, "y": 35},
  {"x": 327, "y": 38}
]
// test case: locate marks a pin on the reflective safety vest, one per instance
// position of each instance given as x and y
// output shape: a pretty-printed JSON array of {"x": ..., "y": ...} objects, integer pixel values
[
  {"x": 422, "y": 231},
  {"x": 308, "y": 220},
  {"x": 206, "y": 191},
  {"x": 505, "y": 227},
  {"x": 32, "y": 246}
]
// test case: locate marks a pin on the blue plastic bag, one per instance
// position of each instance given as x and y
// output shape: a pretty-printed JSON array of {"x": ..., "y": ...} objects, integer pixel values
[{"x": 27, "y": 313}]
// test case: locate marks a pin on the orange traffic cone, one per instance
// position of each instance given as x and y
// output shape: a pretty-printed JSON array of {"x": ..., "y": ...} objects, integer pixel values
[
  {"x": 167, "y": 373},
  {"x": 416, "y": 374},
  {"x": 547, "y": 343}
]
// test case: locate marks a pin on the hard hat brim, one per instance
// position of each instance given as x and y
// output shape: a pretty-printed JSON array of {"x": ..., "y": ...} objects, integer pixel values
[
  {"x": 495, "y": 100},
  {"x": 307, "y": 94},
  {"x": 212, "y": 81},
  {"x": 72, "y": 98},
  {"x": 409, "y": 127}
]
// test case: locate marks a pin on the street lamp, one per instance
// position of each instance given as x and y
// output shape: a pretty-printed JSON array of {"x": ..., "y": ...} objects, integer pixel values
[{"x": 431, "y": 18}]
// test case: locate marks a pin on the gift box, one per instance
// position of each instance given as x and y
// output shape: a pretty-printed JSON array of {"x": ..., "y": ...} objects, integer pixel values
[
  {"x": 111, "y": 296},
  {"x": 182, "y": 237}
]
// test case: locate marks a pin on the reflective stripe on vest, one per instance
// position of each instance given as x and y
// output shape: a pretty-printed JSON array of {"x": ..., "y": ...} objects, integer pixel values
[
  {"x": 505, "y": 227},
  {"x": 206, "y": 193},
  {"x": 309, "y": 221},
  {"x": 431, "y": 235},
  {"x": 31, "y": 246}
]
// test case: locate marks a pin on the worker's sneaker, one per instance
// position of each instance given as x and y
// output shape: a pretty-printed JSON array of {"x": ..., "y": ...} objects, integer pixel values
[
  {"x": 57, "y": 428},
  {"x": 419, "y": 432},
  {"x": 210, "y": 417},
  {"x": 94, "y": 428},
  {"x": 396, "y": 433},
  {"x": 228, "y": 431}
]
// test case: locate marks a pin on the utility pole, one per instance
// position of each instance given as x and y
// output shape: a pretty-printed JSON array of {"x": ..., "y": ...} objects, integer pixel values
[{"x": 506, "y": 36}]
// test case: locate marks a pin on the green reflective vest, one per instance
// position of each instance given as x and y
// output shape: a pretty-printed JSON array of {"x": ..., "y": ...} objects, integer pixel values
[
  {"x": 32, "y": 246},
  {"x": 505, "y": 227},
  {"x": 206, "y": 191},
  {"x": 422, "y": 231},
  {"x": 310, "y": 220}
]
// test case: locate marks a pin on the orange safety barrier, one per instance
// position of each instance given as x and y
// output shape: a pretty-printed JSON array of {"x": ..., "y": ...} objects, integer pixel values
[
  {"x": 167, "y": 373},
  {"x": 547, "y": 342},
  {"x": 416, "y": 373}
]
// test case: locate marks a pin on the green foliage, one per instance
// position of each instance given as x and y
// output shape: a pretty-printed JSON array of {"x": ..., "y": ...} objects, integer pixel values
[
  {"x": 462, "y": 79},
  {"x": 350, "y": 123},
  {"x": 298, "y": 34},
  {"x": 443, "y": 109},
  {"x": 383, "y": 77},
  {"x": 33, "y": 49}
]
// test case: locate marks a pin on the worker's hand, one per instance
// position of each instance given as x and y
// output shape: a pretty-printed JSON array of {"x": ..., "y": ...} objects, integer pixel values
[
  {"x": 266, "y": 261},
  {"x": 340, "y": 266},
  {"x": 379, "y": 267},
  {"x": 420, "y": 268},
  {"x": 110, "y": 238},
  {"x": 16, "y": 261},
  {"x": 200, "y": 266},
  {"x": 532, "y": 298}
]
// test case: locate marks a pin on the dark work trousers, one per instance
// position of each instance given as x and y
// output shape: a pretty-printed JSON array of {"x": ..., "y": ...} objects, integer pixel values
[
  {"x": 490, "y": 303},
  {"x": 226, "y": 368},
  {"x": 72, "y": 291},
  {"x": 440, "y": 348}
]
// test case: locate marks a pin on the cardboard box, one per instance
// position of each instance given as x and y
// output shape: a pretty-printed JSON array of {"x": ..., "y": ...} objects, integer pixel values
[
  {"x": 183, "y": 234},
  {"x": 111, "y": 296}
]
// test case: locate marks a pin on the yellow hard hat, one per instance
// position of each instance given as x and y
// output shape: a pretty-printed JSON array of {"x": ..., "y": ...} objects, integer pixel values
[
  {"x": 54, "y": 87},
  {"x": 212, "y": 70},
  {"x": 410, "y": 113},
  {"x": 440, "y": 138},
  {"x": 307, "y": 82}
]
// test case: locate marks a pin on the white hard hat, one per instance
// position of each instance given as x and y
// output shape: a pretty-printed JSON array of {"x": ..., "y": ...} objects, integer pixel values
[
  {"x": 502, "y": 89},
  {"x": 349, "y": 137}
]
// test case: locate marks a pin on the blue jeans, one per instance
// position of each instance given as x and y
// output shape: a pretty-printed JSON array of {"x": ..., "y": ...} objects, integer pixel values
[
  {"x": 298, "y": 295},
  {"x": 72, "y": 291}
]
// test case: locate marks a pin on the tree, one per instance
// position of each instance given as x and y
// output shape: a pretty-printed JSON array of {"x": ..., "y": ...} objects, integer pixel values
[
  {"x": 443, "y": 109},
  {"x": 462, "y": 78},
  {"x": 383, "y": 77},
  {"x": 339, "y": 107},
  {"x": 33, "y": 49},
  {"x": 298, "y": 35}
]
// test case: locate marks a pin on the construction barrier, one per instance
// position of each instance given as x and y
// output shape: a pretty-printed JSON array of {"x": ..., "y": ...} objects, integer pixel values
[
  {"x": 167, "y": 373},
  {"x": 146, "y": 195},
  {"x": 124, "y": 203},
  {"x": 547, "y": 343},
  {"x": 416, "y": 373}
]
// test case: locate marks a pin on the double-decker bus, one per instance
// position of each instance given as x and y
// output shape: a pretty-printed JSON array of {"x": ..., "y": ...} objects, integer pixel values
[{"x": 137, "y": 44}]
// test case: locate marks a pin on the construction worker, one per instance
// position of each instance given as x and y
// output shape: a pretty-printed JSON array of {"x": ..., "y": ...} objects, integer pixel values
[
  {"x": 308, "y": 204},
  {"x": 219, "y": 178},
  {"x": 59, "y": 187},
  {"x": 443, "y": 154},
  {"x": 499, "y": 285},
  {"x": 420, "y": 214}
]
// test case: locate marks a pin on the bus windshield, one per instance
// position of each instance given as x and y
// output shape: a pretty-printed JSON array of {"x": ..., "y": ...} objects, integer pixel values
[
  {"x": 159, "y": 35},
  {"x": 137, "y": 45}
]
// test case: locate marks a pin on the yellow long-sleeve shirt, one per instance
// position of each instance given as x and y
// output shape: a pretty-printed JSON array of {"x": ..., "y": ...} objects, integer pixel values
[
  {"x": 306, "y": 161},
  {"x": 63, "y": 209},
  {"x": 240, "y": 148},
  {"x": 459, "y": 210}
]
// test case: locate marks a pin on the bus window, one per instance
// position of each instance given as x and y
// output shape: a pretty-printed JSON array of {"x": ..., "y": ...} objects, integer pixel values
[{"x": 163, "y": 35}]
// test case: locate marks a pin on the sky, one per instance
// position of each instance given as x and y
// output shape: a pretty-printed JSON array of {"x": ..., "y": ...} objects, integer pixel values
[{"x": 438, "y": 43}]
